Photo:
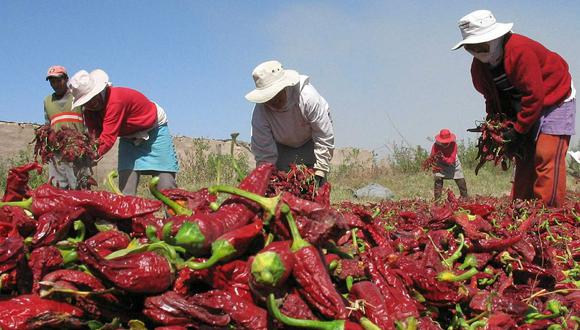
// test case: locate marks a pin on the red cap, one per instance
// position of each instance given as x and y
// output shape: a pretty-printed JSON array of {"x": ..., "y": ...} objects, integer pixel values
[
  {"x": 445, "y": 136},
  {"x": 56, "y": 71}
]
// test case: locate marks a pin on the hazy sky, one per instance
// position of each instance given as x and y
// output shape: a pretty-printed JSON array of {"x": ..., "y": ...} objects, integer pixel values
[{"x": 385, "y": 67}]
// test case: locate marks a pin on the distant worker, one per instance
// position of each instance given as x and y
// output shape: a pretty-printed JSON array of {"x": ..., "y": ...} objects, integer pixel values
[
  {"x": 58, "y": 113},
  {"x": 447, "y": 165},
  {"x": 145, "y": 145},
  {"x": 531, "y": 85},
  {"x": 291, "y": 121}
]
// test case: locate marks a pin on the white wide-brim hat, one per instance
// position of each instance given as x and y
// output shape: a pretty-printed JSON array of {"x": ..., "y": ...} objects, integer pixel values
[
  {"x": 480, "y": 26},
  {"x": 270, "y": 78},
  {"x": 84, "y": 86}
]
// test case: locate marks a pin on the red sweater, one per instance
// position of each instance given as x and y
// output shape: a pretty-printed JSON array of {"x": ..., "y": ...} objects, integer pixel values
[
  {"x": 127, "y": 111},
  {"x": 539, "y": 74},
  {"x": 448, "y": 154}
]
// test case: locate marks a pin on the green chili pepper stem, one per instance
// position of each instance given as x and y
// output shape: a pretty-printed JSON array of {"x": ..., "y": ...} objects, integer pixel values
[
  {"x": 306, "y": 324},
  {"x": 333, "y": 264},
  {"x": 69, "y": 256},
  {"x": 178, "y": 209},
  {"x": 297, "y": 241},
  {"x": 25, "y": 204},
  {"x": 367, "y": 324},
  {"x": 269, "y": 204},
  {"x": 166, "y": 231},
  {"x": 220, "y": 250},
  {"x": 48, "y": 289},
  {"x": 188, "y": 236},
  {"x": 448, "y": 262},
  {"x": 349, "y": 282},
  {"x": 151, "y": 233},
  {"x": 267, "y": 268},
  {"x": 111, "y": 184},
  {"x": 79, "y": 226},
  {"x": 449, "y": 276},
  {"x": 478, "y": 324},
  {"x": 470, "y": 261}
]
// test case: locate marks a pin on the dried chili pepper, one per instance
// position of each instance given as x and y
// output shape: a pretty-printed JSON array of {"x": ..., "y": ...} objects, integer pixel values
[
  {"x": 312, "y": 275},
  {"x": 242, "y": 312},
  {"x": 54, "y": 225},
  {"x": 272, "y": 266},
  {"x": 104, "y": 243},
  {"x": 29, "y": 311},
  {"x": 171, "y": 308},
  {"x": 42, "y": 261},
  {"x": 374, "y": 304},
  {"x": 17, "y": 182},
  {"x": 145, "y": 272},
  {"x": 308, "y": 324},
  {"x": 229, "y": 245},
  {"x": 99, "y": 203}
]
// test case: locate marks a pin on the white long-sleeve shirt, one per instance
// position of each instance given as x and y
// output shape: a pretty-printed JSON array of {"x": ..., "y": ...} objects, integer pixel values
[{"x": 306, "y": 116}]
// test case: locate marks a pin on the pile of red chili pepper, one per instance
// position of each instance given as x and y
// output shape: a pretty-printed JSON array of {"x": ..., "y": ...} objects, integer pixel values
[
  {"x": 491, "y": 146},
  {"x": 98, "y": 260},
  {"x": 67, "y": 143}
]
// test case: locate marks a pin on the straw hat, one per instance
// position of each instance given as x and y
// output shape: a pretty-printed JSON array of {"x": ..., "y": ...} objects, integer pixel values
[
  {"x": 84, "y": 86},
  {"x": 270, "y": 78},
  {"x": 480, "y": 26},
  {"x": 445, "y": 136}
]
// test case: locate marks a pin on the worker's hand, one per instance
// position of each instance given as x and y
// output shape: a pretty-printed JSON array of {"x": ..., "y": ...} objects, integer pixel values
[
  {"x": 512, "y": 140},
  {"x": 511, "y": 136}
]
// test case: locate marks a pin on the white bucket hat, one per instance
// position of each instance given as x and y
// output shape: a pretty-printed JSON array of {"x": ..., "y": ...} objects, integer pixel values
[
  {"x": 84, "y": 86},
  {"x": 270, "y": 78},
  {"x": 480, "y": 26}
]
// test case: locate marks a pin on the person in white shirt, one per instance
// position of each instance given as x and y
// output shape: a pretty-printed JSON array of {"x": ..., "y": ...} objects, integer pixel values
[{"x": 291, "y": 121}]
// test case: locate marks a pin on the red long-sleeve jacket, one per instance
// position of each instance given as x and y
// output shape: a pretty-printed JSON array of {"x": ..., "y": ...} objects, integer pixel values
[
  {"x": 541, "y": 76},
  {"x": 127, "y": 111}
]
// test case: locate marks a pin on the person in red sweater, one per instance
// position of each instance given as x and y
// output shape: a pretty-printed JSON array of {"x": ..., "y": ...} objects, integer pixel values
[
  {"x": 523, "y": 81},
  {"x": 447, "y": 164},
  {"x": 145, "y": 145}
]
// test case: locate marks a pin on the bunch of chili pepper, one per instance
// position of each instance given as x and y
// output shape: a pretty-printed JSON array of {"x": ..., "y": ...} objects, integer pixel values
[
  {"x": 491, "y": 146},
  {"x": 68, "y": 143}
]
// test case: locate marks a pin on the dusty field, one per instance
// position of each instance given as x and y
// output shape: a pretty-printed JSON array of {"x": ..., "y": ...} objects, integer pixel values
[{"x": 16, "y": 137}]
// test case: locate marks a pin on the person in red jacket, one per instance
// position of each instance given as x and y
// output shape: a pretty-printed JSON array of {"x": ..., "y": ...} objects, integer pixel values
[
  {"x": 527, "y": 83},
  {"x": 447, "y": 165},
  {"x": 145, "y": 145}
]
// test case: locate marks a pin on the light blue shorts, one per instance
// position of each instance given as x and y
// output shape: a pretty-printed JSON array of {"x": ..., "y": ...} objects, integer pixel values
[{"x": 155, "y": 154}]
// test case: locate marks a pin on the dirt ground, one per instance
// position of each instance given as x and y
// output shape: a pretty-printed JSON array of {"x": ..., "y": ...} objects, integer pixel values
[{"x": 16, "y": 137}]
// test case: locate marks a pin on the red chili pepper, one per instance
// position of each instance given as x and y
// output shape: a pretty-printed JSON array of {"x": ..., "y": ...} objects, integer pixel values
[
  {"x": 54, "y": 225},
  {"x": 374, "y": 304},
  {"x": 244, "y": 314},
  {"x": 42, "y": 261},
  {"x": 16, "y": 220},
  {"x": 171, "y": 308},
  {"x": 229, "y": 245},
  {"x": 311, "y": 324},
  {"x": 106, "y": 242},
  {"x": 17, "y": 182},
  {"x": 99, "y": 203},
  {"x": 197, "y": 201},
  {"x": 495, "y": 244},
  {"x": 33, "y": 312},
  {"x": 270, "y": 269},
  {"x": 312, "y": 275},
  {"x": 145, "y": 272},
  {"x": 233, "y": 276}
]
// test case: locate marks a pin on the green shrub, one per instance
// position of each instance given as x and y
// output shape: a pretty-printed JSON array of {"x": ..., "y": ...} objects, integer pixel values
[{"x": 23, "y": 157}]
